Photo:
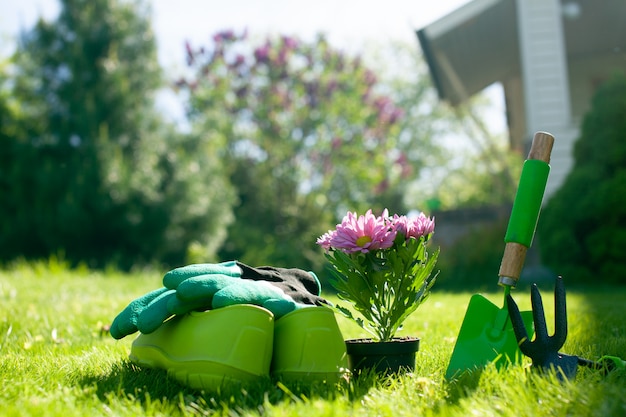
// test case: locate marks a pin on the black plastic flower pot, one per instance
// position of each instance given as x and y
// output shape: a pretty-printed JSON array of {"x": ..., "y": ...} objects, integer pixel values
[{"x": 392, "y": 357}]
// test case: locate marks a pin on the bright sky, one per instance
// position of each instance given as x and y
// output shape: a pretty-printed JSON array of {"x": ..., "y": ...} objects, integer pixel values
[{"x": 348, "y": 24}]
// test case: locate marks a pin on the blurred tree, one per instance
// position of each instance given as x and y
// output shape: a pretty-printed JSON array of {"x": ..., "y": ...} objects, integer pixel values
[
  {"x": 490, "y": 174},
  {"x": 582, "y": 230},
  {"x": 308, "y": 134},
  {"x": 94, "y": 172},
  {"x": 9, "y": 129},
  {"x": 480, "y": 168},
  {"x": 455, "y": 159},
  {"x": 403, "y": 76},
  {"x": 463, "y": 164}
]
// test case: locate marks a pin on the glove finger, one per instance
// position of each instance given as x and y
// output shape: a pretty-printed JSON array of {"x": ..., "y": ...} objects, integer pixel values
[
  {"x": 126, "y": 321},
  {"x": 177, "y": 306},
  {"x": 153, "y": 316},
  {"x": 174, "y": 277},
  {"x": 247, "y": 292},
  {"x": 280, "y": 307},
  {"x": 202, "y": 287}
]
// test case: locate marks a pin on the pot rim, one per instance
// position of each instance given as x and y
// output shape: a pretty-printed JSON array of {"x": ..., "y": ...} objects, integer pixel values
[
  {"x": 398, "y": 345},
  {"x": 394, "y": 340}
]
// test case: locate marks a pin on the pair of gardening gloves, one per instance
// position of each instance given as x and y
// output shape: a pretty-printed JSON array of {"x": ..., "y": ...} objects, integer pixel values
[{"x": 199, "y": 287}]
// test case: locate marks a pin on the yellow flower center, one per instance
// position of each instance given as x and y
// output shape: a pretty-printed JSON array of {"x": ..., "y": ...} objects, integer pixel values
[{"x": 363, "y": 240}]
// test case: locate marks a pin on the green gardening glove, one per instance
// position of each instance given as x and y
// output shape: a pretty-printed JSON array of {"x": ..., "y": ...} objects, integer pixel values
[
  {"x": 220, "y": 291},
  {"x": 210, "y": 286},
  {"x": 151, "y": 308}
]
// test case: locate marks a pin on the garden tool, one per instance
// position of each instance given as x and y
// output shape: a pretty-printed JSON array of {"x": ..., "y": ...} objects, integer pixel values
[
  {"x": 486, "y": 334},
  {"x": 544, "y": 350}
]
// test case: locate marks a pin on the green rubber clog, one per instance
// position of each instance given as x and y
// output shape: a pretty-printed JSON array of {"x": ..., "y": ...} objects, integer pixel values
[
  {"x": 308, "y": 346},
  {"x": 206, "y": 349}
]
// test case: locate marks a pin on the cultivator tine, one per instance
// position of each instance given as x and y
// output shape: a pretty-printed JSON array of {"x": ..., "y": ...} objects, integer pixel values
[
  {"x": 542, "y": 340},
  {"x": 518, "y": 325},
  {"x": 560, "y": 315}
]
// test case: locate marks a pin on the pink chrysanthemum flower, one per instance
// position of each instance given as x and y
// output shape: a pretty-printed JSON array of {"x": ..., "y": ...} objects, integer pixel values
[
  {"x": 325, "y": 239},
  {"x": 363, "y": 233},
  {"x": 425, "y": 225},
  {"x": 414, "y": 227}
]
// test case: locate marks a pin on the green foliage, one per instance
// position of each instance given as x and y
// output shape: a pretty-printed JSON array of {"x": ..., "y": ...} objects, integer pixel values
[
  {"x": 473, "y": 260},
  {"x": 403, "y": 75},
  {"x": 486, "y": 178},
  {"x": 453, "y": 158},
  {"x": 92, "y": 170},
  {"x": 583, "y": 226},
  {"x": 484, "y": 173},
  {"x": 384, "y": 286}
]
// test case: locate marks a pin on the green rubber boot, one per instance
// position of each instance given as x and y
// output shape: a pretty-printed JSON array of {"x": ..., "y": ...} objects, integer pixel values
[
  {"x": 207, "y": 349},
  {"x": 308, "y": 346}
]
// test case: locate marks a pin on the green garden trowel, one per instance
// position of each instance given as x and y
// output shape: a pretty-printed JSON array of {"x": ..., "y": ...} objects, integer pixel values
[{"x": 486, "y": 334}]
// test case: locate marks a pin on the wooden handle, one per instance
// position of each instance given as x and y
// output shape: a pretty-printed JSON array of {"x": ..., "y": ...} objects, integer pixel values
[
  {"x": 522, "y": 217},
  {"x": 512, "y": 264},
  {"x": 541, "y": 147}
]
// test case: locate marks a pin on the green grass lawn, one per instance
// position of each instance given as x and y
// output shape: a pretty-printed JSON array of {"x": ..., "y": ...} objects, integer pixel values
[{"x": 56, "y": 359}]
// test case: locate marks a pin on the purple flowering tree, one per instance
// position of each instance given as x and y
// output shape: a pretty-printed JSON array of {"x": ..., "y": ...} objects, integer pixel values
[{"x": 305, "y": 134}]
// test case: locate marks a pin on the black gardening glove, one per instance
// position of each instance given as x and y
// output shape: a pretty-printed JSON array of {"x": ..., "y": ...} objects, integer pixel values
[{"x": 302, "y": 286}]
